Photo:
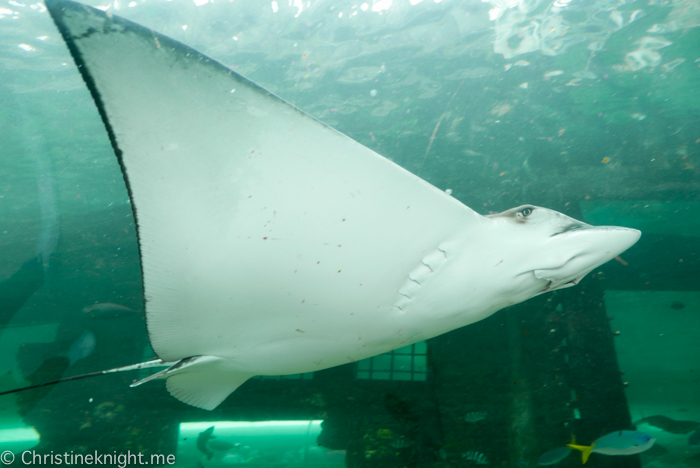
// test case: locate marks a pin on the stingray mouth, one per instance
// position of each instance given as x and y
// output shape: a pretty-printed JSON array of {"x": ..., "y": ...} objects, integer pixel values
[{"x": 568, "y": 284}]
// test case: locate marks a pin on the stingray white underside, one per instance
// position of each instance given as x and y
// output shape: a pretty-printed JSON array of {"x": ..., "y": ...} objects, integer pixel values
[
  {"x": 271, "y": 243},
  {"x": 261, "y": 229}
]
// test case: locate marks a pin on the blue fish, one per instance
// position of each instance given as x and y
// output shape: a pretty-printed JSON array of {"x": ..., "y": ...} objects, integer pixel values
[
  {"x": 554, "y": 456},
  {"x": 617, "y": 443}
]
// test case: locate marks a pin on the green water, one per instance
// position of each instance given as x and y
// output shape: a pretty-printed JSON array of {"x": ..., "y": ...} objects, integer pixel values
[{"x": 587, "y": 107}]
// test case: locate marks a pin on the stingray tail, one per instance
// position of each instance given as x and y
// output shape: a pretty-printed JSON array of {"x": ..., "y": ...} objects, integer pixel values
[
  {"x": 201, "y": 381},
  {"x": 584, "y": 449},
  {"x": 142, "y": 365}
]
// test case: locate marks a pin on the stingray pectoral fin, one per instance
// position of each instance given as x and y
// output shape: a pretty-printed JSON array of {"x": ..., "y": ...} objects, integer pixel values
[
  {"x": 201, "y": 381},
  {"x": 248, "y": 210}
]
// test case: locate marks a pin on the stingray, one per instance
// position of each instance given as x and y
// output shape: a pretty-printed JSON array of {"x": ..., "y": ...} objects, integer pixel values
[{"x": 272, "y": 244}]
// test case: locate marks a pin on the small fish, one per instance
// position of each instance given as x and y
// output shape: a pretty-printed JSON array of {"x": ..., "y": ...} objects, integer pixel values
[
  {"x": 109, "y": 310},
  {"x": 670, "y": 425},
  {"x": 475, "y": 416},
  {"x": 677, "y": 305},
  {"x": 478, "y": 457},
  {"x": 82, "y": 347},
  {"x": 617, "y": 443},
  {"x": 554, "y": 456},
  {"x": 694, "y": 438}
]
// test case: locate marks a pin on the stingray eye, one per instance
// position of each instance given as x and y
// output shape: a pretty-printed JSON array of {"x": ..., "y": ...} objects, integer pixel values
[{"x": 525, "y": 212}]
